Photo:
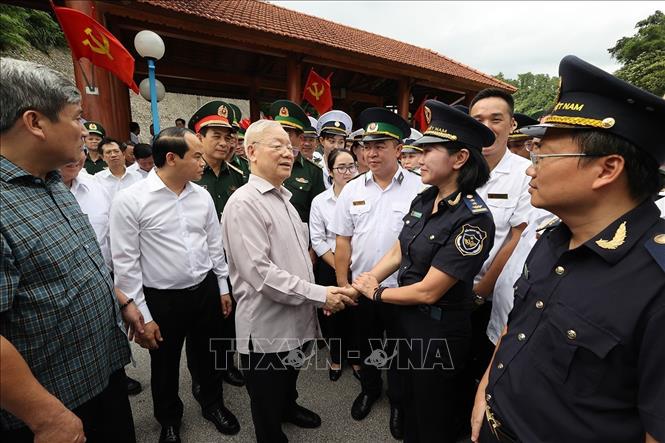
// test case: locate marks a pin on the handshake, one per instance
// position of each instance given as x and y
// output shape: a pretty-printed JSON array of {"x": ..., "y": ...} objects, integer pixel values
[{"x": 338, "y": 298}]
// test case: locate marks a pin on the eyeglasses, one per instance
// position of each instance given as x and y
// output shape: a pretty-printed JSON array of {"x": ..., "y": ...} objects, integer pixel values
[
  {"x": 276, "y": 146},
  {"x": 346, "y": 168},
  {"x": 535, "y": 158}
]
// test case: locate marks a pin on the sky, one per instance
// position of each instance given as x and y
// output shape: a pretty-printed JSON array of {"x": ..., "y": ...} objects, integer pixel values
[{"x": 500, "y": 36}]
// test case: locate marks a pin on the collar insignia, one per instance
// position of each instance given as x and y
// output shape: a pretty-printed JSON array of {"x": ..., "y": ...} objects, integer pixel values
[{"x": 618, "y": 239}]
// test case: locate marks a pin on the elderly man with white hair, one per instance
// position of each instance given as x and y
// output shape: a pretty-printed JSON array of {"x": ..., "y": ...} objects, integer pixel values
[{"x": 273, "y": 283}]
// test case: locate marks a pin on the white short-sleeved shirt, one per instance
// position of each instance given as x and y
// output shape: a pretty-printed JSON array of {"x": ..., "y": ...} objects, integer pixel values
[
  {"x": 506, "y": 193},
  {"x": 321, "y": 215},
  {"x": 504, "y": 291},
  {"x": 96, "y": 204},
  {"x": 134, "y": 167},
  {"x": 372, "y": 217},
  {"x": 113, "y": 184}
]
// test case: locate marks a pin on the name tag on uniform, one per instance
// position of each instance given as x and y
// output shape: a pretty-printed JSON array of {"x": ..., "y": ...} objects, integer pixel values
[
  {"x": 416, "y": 214},
  {"x": 304, "y": 180},
  {"x": 498, "y": 196},
  {"x": 358, "y": 202}
]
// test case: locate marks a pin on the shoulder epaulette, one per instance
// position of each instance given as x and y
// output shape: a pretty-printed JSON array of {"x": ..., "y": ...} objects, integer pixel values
[
  {"x": 656, "y": 247},
  {"x": 474, "y": 205},
  {"x": 238, "y": 170},
  {"x": 310, "y": 161}
]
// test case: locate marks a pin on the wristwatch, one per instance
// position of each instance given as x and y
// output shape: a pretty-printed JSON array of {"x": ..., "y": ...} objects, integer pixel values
[{"x": 478, "y": 300}]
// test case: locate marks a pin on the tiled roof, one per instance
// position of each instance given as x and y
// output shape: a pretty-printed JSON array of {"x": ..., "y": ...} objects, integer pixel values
[{"x": 266, "y": 17}]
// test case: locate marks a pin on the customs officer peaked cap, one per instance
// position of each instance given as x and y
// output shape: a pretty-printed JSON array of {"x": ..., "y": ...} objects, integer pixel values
[
  {"x": 289, "y": 115},
  {"x": 447, "y": 124},
  {"x": 590, "y": 98},
  {"x": 215, "y": 113},
  {"x": 408, "y": 147},
  {"x": 383, "y": 124},
  {"x": 94, "y": 128},
  {"x": 334, "y": 122},
  {"x": 522, "y": 120}
]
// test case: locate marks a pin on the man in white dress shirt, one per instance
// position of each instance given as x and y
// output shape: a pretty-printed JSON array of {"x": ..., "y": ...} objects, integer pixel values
[
  {"x": 506, "y": 194},
  {"x": 116, "y": 176},
  {"x": 368, "y": 220},
  {"x": 144, "y": 163},
  {"x": 168, "y": 256}
]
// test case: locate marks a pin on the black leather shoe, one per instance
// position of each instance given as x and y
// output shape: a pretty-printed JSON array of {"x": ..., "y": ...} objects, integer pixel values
[
  {"x": 334, "y": 374},
  {"x": 234, "y": 377},
  {"x": 169, "y": 434},
  {"x": 396, "y": 423},
  {"x": 303, "y": 417},
  {"x": 133, "y": 386},
  {"x": 196, "y": 390},
  {"x": 223, "y": 419},
  {"x": 362, "y": 405}
]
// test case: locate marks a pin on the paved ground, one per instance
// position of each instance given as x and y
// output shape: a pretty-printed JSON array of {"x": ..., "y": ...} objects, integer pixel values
[{"x": 331, "y": 400}]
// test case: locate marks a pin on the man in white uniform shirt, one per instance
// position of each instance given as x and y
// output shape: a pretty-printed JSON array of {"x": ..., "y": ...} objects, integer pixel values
[
  {"x": 116, "y": 176},
  {"x": 368, "y": 220},
  {"x": 506, "y": 194},
  {"x": 273, "y": 283},
  {"x": 168, "y": 257}
]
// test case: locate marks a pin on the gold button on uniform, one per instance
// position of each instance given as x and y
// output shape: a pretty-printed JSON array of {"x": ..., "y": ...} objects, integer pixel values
[
  {"x": 559, "y": 270},
  {"x": 408, "y": 222},
  {"x": 540, "y": 304},
  {"x": 488, "y": 397},
  {"x": 521, "y": 336},
  {"x": 571, "y": 334},
  {"x": 500, "y": 366},
  {"x": 431, "y": 237}
]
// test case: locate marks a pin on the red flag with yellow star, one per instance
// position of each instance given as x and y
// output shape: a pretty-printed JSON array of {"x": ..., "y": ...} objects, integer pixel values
[
  {"x": 88, "y": 38},
  {"x": 317, "y": 92}
]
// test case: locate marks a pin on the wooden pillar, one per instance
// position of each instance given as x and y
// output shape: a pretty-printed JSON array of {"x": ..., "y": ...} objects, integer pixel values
[
  {"x": 254, "y": 104},
  {"x": 468, "y": 97},
  {"x": 403, "y": 93},
  {"x": 293, "y": 86},
  {"x": 111, "y": 106}
]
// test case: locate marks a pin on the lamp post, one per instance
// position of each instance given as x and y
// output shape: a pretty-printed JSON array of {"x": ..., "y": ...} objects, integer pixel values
[{"x": 150, "y": 46}]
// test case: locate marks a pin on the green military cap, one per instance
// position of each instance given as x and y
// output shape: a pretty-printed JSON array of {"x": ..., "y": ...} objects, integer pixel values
[
  {"x": 289, "y": 115},
  {"x": 95, "y": 128},
  {"x": 214, "y": 113},
  {"x": 237, "y": 116},
  {"x": 383, "y": 124}
]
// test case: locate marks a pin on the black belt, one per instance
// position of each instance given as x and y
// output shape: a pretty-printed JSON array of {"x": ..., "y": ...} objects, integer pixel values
[{"x": 436, "y": 311}]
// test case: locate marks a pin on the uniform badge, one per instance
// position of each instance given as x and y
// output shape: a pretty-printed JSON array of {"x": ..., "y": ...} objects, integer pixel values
[
  {"x": 223, "y": 111},
  {"x": 372, "y": 127},
  {"x": 456, "y": 200},
  {"x": 283, "y": 111},
  {"x": 607, "y": 122},
  {"x": 337, "y": 124},
  {"x": 400, "y": 178},
  {"x": 618, "y": 239},
  {"x": 428, "y": 115},
  {"x": 660, "y": 239},
  {"x": 302, "y": 180},
  {"x": 470, "y": 240},
  {"x": 416, "y": 214},
  {"x": 92, "y": 126},
  {"x": 358, "y": 202}
]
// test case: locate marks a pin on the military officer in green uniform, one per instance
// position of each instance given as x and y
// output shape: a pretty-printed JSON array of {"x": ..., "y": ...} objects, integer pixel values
[
  {"x": 306, "y": 181},
  {"x": 213, "y": 124},
  {"x": 235, "y": 159},
  {"x": 93, "y": 161}
]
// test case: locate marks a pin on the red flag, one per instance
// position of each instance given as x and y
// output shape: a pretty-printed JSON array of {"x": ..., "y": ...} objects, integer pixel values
[
  {"x": 87, "y": 38},
  {"x": 317, "y": 92},
  {"x": 419, "y": 121}
]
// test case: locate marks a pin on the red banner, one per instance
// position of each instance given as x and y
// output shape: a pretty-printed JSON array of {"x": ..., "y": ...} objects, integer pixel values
[
  {"x": 419, "y": 121},
  {"x": 317, "y": 92},
  {"x": 87, "y": 38}
]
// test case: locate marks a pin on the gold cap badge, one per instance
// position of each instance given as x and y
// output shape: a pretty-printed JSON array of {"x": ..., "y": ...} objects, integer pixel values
[
  {"x": 283, "y": 111},
  {"x": 92, "y": 126},
  {"x": 372, "y": 127},
  {"x": 428, "y": 115},
  {"x": 223, "y": 111}
]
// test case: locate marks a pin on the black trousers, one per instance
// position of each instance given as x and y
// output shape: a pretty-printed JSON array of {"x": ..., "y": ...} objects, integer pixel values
[
  {"x": 106, "y": 417},
  {"x": 226, "y": 346},
  {"x": 271, "y": 386},
  {"x": 479, "y": 358},
  {"x": 370, "y": 320},
  {"x": 435, "y": 352},
  {"x": 336, "y": 328},
  {"x": 184, "y": 313}
]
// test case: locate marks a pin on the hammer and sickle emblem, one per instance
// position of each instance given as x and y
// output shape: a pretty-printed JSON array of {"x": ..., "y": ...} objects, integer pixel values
[
  {"x": 316, "y": 92},
  {"x": 102, "y": 47}
]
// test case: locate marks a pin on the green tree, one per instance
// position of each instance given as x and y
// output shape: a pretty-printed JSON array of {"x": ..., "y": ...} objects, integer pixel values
[
  {"x": 643, "y": 55},
  {"x": 22, "y": 28},
  {"x": 535, "y": 92}
]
